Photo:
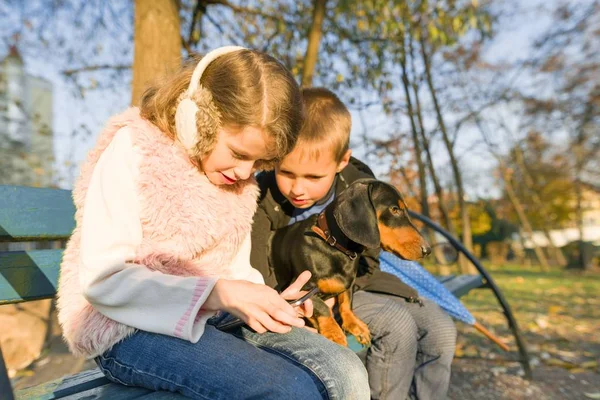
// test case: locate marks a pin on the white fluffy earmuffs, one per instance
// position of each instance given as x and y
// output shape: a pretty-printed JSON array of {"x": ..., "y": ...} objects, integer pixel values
[{"x": 196, "y": 105}]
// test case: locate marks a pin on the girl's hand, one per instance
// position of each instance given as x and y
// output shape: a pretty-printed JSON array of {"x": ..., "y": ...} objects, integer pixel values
[
  {"x": 294, "y": 292},
  {"x": 330, "y": 302},
  {"x": 259, "y": 306}
]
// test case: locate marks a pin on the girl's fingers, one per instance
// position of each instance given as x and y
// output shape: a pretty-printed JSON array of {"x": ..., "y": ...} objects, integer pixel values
[
  {"x": 330, "y": 302},
  {"x": 255, "y": 325},
  {"x": 278, "y": 303},
  {"x": 307, "y": 308},
  {"x": 272, "y": 325},
  {"x": 287, "y": 319},
  {"x": 292, "y": 292},
  {"x": 310, "y": 328}
]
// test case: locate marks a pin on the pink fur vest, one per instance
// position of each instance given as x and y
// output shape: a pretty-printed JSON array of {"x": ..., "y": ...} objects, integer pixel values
[{"x": 190, "y": 227}]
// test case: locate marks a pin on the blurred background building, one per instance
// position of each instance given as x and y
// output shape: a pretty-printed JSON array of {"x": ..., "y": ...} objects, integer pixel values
[{"x": 26, "y": 143}]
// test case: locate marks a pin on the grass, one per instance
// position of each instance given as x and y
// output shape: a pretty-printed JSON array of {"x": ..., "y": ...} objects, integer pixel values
[{"x": 557, "y": 311}]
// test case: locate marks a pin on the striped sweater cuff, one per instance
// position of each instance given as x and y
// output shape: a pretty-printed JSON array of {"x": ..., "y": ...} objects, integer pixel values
[{"x": 192, "y": 316}]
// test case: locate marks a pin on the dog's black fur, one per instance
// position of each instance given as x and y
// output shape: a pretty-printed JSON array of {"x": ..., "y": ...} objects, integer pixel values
[{"x": 368, "y": 214}]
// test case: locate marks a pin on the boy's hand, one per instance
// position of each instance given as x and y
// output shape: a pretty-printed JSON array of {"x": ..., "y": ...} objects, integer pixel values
[{"x": 259, "y": 306}]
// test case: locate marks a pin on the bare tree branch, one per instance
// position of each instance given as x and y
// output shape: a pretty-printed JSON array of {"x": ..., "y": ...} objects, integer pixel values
[{"x": 89, "y": 68}]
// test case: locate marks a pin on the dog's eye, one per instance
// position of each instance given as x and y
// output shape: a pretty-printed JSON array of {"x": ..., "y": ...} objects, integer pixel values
[{"x": 396, "y": 211}]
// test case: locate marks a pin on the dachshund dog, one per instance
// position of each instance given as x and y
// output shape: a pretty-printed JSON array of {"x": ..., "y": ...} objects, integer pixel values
[{"x": 368, "y": 214}]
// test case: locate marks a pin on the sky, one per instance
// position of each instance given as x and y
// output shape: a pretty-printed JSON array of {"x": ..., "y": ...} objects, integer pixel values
[{"x": 512, "y": 42}]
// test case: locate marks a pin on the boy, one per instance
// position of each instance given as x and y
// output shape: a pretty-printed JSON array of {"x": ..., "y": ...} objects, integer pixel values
[{"x": 412, "y": 346}]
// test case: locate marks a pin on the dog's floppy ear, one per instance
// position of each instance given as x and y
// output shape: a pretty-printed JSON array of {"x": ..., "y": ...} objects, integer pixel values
[{"x": 355, "y": 214}]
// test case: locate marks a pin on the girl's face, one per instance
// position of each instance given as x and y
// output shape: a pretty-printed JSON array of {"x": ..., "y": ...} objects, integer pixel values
[{"x": 235, "y": 154}]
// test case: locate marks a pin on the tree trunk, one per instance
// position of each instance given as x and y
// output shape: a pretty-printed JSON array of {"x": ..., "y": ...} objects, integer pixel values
[
  {"x": 439, "y": 191},
  {"x": 522, "y": 217},
  {"x": 580, "y": 160},
  {"x": 157, "y": 43},
  {"x": 583, "y": 264},
  {"x": 415, "y": 136},
  {"x": 540, "y": 205},
  {"x": 467, "y": 239},
  {"x": 314, "y": 40}
]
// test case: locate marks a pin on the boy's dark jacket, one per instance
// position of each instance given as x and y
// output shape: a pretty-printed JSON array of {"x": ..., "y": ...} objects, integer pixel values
[{"x": 274, "y": 212}]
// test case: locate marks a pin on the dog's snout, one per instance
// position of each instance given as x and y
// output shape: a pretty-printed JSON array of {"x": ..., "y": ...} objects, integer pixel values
[{"x": 426, "y": 250}]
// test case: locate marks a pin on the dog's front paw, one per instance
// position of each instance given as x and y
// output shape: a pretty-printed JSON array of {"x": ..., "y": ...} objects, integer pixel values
[
  {"x": 359, "y": 330},
  {"x": 335, "y": 334}
]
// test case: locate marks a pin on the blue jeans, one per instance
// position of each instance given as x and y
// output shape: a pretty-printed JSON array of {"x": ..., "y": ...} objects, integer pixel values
[{"x": 239, "y": 364}]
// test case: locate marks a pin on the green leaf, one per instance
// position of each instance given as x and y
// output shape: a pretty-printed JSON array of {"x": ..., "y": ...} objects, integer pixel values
[
  {"x": 456, "y": 24},
  {"x": 473, "y": 21}
]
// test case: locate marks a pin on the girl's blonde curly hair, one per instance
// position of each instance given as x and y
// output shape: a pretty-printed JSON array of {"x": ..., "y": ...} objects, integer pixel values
[{"x": 242, "y": 88}]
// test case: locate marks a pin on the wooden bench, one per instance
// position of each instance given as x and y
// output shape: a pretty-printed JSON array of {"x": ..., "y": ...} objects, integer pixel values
[{"x": 45, "y": 215}]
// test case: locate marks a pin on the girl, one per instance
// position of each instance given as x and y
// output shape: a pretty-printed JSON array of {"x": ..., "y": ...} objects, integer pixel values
[{"x": 160, "y": 252}]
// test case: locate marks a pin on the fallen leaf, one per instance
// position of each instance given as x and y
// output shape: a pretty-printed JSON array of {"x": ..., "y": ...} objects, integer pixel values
[
  {"x": 559, "y": 363},
  {"x": 589, "y": 364},
  {"x": 555, "y": 309},
  {"x": 25, "y": 372},
  {"x": 542, "y": 322},
  {"x": 471, "y": 351},
  {"x": 592, "y": 395}
]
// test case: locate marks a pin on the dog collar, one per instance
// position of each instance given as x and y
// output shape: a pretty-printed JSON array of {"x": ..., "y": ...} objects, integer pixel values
[{"x": 322, "y": 229}]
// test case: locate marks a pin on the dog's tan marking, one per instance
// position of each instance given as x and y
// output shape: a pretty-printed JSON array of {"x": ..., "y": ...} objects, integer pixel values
[
  {"x": 329, "y": 328},
  {"x": 350, "y": 322},
  {"x": 330, "y": 286},
  {"x": 313, "y": 322},
  {"x": 404, "y": 241}
]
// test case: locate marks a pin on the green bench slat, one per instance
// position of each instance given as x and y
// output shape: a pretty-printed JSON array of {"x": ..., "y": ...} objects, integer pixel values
[
  {"x": 118, "y": 392},
  {"x": 28, "y": 275},
  {"x": 445, "y": 278},
  {"x": 90, "y": 384},
  {"x": 35, "y": 213},
  {"x": 460, "y": 285},
  {"x": 64, "y": 386},
  {"x": 163, "y": 396}
]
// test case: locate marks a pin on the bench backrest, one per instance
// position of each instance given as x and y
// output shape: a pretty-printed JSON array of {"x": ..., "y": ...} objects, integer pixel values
[{"x": 32, "y": 215}]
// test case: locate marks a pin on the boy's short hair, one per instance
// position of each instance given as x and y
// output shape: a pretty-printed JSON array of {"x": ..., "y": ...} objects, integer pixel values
[{"x": 326, "y": 120}]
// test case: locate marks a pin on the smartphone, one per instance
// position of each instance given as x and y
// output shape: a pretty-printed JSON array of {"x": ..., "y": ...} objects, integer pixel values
[
  {"x": 301, "y": 300},
  {"x": 230, "y": 322}
]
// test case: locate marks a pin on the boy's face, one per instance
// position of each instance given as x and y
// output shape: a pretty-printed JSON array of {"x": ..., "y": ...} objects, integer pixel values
[{"x": 304, "y": 177}]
